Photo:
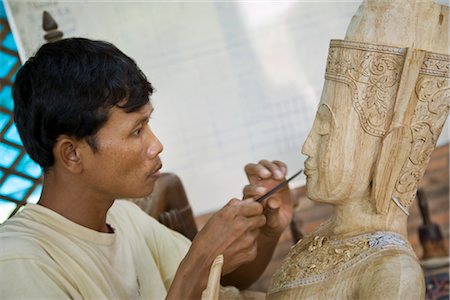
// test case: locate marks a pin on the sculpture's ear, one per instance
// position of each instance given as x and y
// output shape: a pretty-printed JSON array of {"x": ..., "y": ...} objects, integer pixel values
[
  {"x": 397, "y": 142},
  {"x": 394, "y": 152}
]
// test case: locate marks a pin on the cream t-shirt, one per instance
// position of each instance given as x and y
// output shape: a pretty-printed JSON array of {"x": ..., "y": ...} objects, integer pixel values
[{"x": 46, "y": 256}]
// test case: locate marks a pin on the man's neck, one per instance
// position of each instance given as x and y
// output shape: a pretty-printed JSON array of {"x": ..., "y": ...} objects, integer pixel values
[{"x": 75, "y": 203}]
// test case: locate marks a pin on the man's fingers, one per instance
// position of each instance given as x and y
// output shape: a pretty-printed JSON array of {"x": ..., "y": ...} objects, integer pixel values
[
  {"x": 273, "y": 203},
  {"x": 276, "y": 171},
  {"x": 265, "y": 170},
  {"x": 256, "y": 172},
  {"x": 272, "y": 217},
  {"x": 282, "y": 166},
  {"x": 254, "y": 191},
  {"x": 256, "y": 222},
  {"x": 241, "y": 251},
  {"x": 246, "y": 224},
  {"x": 271, "y": 211},
  {"x": 247, "y": 208}
]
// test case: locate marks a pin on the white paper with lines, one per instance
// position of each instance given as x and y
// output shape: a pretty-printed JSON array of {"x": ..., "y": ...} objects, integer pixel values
[{"x": 236, "y": 82}]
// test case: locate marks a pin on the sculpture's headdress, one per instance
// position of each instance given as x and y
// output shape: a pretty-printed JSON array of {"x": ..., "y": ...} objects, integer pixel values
[{"x": 400, "y": 87}]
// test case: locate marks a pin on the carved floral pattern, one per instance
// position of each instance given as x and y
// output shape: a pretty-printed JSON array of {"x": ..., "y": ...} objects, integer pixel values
[
  {"x": 317, "y": 258},
  {"x": 432, "y": 93},
  {"x": 373, "y": 73},
  {"x": 436, "y": 64}
]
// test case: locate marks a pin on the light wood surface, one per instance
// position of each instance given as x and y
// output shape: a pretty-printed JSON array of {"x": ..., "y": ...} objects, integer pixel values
[
  {"x": 385, "y": 100},
  {"x": 213, "y": 287}
]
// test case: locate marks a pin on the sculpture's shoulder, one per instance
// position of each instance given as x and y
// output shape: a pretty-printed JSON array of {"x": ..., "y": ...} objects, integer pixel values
[
  {"x": 346, "y": 266},
  {"x": 395, "y": 274}
]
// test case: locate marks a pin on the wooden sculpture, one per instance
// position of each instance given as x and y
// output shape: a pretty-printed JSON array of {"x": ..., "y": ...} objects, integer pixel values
[
  {"x": 212, "y": 290},
  {"x": 385, "y": 100},
  {"x": 51, "y": 28}
]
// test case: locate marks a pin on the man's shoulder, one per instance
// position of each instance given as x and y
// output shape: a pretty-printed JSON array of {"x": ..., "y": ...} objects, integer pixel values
[
  {"x": 18, "y": 245},
  {"x": 25, "y": 235},
  {"x": 15, "y": 234}
]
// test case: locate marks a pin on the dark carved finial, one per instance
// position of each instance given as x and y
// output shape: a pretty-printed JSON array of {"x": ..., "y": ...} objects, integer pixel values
[
  {"x": 430, "y": 235},
  {"x": 51, "y": 27}
]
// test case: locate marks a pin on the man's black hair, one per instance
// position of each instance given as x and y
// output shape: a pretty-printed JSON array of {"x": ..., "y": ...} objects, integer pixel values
[{"x": 69, "y": 87}]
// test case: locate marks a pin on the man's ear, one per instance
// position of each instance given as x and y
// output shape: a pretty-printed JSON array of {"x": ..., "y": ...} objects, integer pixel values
[{"x": 67, "y": 153}]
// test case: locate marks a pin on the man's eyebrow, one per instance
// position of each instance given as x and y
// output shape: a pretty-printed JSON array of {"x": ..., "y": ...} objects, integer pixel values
[{"x": 144, "y": 118}]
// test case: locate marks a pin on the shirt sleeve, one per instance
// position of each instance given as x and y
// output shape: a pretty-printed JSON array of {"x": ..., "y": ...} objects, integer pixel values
[{"x": 26, "y": 278}]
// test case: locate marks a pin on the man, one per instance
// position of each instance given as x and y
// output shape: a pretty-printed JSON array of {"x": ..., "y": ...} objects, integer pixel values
[{"x": 82, "y": 110}]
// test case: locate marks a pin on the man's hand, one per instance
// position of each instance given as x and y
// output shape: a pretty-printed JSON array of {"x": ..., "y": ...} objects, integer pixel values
[
  {"x": 233, "y": 231},
  {"x": 262, "y": 177},
  {"x": 245, "y": 232}
]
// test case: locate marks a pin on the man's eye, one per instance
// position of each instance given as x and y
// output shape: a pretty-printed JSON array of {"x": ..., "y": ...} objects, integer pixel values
[{"x": 137, "y": 132}]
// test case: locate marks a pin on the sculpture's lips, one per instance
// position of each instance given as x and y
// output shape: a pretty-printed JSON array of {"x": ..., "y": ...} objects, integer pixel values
[{"x": 309, "y": 167}]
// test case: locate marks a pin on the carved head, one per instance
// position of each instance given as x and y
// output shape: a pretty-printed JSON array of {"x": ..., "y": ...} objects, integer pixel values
[
  {"x": 354, "y": 114},
  {"x": 379, "y": 118}
]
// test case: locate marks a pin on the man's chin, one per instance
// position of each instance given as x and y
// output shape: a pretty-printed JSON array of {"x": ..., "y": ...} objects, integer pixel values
[{"x": 142, "y": 192}]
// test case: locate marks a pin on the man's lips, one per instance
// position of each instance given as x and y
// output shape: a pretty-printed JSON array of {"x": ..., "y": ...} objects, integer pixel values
[{"x": 155, "y": 172}]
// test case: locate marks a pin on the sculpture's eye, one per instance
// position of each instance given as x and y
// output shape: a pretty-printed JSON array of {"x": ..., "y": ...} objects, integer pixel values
[
  {"x": 324, "y": 118},
  {"x": 324, "y": 128}
]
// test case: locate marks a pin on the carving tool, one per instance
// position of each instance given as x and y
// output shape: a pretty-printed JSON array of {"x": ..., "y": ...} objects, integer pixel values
[{"x": 279, "y": 186}]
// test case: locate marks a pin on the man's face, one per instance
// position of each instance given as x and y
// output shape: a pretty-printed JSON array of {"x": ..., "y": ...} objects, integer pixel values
[
  {"x": 341, "y": 155},
  {"x": 126, "y": 163}
]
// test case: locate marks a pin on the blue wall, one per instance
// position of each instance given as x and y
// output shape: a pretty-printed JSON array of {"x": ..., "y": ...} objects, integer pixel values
[{"x": 20, "y": 176}]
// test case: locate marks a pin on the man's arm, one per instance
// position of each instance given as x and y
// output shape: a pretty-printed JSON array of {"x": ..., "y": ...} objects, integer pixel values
[
  {"x": 245, "y": 232},
  {"x": 278, "y": 211},
  {"x": 232, "y": 231}
]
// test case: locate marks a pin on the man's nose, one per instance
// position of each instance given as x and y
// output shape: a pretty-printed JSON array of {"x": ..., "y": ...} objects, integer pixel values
[{"x": 155, "y": 146}]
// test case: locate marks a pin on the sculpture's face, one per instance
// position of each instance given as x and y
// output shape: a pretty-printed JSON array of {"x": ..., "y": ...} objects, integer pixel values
[{"x": 341, "y": 155}]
